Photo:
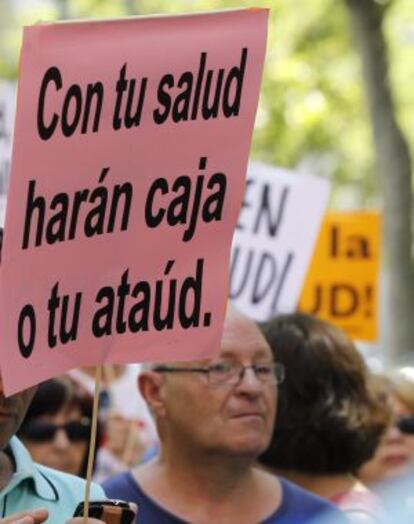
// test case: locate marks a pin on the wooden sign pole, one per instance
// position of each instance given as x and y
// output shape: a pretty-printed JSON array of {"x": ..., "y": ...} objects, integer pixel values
[{"x": 92, "y": 442}]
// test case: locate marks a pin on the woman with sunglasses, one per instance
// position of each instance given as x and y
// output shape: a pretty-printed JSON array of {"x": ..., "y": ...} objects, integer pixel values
[
  {"x": 394, "y": 456},
  {"x": 57, "y": 426}
]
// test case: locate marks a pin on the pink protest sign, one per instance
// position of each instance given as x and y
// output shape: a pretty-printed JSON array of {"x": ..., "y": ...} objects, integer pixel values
[{"x": 129, "y": 160}]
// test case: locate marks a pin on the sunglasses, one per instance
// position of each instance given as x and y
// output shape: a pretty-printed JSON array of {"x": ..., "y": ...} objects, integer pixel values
[
  {"x": 406, "y": 425},
  {"x": 38, "y": 431}
]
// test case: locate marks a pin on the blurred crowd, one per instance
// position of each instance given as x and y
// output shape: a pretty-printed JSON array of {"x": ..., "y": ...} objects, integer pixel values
[{"x": 341, "y": 432}]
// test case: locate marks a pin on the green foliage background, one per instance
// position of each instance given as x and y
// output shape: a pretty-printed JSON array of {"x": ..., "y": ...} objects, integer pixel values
[{"x": 312, "y": 112}]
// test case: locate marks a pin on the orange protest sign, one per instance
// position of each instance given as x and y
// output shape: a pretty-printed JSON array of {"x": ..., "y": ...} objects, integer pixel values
[{"x": 342, "y": 281}]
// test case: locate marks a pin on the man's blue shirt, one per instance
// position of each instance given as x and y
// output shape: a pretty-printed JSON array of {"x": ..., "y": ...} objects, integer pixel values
[{"x": 297, "y": 506}]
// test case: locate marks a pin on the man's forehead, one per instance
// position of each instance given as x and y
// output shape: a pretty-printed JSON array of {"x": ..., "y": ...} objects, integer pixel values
[{"x": 241, "y": 336}]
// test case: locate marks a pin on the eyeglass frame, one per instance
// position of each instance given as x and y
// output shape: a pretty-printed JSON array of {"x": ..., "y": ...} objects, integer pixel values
[{"x": 238, "y": 371}]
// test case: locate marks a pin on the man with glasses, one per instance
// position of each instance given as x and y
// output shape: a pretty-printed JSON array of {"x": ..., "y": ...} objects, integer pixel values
[{"x": 214, "y": 418}]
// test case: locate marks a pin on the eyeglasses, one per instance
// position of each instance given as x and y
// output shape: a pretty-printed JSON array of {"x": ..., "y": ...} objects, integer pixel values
[
  {"x": 39, "y": 431},
  {"x": 232, "y": 373},
  {"x": 406, "y": 425}
]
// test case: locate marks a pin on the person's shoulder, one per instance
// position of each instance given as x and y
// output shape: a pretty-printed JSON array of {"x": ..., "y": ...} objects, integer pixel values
[
  {"x": 69, "y": 485},
  {"x": 125, "y": 486},
  {"x": 117, "y": 480},
  {"x": 120, "y": 485},
  {"x": 361, "y": 502},
  {"x": 291, "y": 490},
  {"x": 299, "y": 500}
]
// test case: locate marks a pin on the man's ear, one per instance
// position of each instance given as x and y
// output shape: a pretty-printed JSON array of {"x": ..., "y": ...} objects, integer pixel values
[{"x": 150, "y": 384}]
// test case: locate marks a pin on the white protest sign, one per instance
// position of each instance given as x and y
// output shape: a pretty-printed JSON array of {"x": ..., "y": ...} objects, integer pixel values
[
  {"x": 274, "y": 240},
  {"x": 7, "y": 111},
  {"x": 2, "y": 209}
]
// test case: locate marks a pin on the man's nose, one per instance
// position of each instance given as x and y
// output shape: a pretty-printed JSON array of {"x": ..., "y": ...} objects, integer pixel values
[
  {"x": 60, "y": 439},
  {"x": 394, "y": 434},
  {"x": 249, "y": 382}
]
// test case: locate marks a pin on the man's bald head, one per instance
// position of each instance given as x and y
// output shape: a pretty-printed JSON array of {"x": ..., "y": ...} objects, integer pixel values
[
  {"x": 236, "y": 325},
  {"x": 219, "y": 405}
]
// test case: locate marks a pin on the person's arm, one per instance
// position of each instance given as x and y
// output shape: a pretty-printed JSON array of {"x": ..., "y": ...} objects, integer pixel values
[
  {"x": 40, "y": 515},
  {"x": 34, "y": 516}
]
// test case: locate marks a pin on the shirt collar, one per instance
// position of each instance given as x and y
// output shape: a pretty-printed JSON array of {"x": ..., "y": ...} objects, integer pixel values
[{"x": 26, "y": 469}]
